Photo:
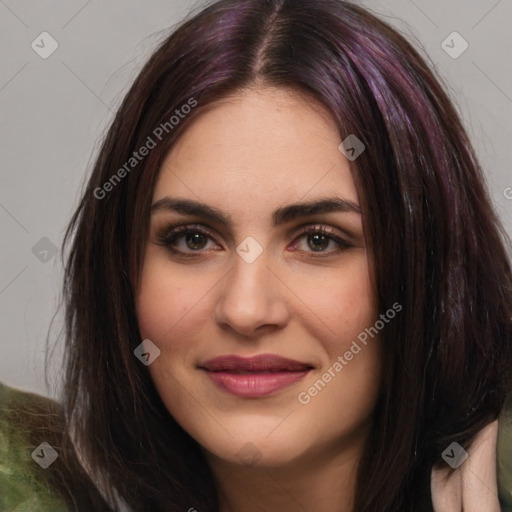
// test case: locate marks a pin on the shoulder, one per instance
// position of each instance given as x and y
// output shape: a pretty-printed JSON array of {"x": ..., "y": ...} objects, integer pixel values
[
  {"x": 23, "y": 483},
  {"x": 38, "y": 471},
  {"x": 504, "y": 458}
]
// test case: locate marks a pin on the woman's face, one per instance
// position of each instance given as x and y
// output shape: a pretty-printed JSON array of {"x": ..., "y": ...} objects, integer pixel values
[{"x": 244, "y": 280}]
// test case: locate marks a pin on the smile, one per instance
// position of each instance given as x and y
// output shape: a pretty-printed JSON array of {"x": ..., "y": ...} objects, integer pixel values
[{"x": 254, "y": 377}]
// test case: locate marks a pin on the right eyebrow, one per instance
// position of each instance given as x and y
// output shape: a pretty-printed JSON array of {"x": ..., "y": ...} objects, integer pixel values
[{"x": 189, "y": 207}]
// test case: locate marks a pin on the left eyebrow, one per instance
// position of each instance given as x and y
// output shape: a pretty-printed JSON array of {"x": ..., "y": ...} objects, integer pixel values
[
  {"x": 298, "y": 210},
  {"x": 280, "y": 216}
]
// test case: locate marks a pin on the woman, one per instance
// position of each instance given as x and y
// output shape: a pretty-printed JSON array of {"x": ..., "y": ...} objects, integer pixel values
[{"x": 286, "y": 288}]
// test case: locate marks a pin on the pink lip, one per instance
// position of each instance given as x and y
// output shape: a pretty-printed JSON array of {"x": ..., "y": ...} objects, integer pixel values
[{"x": 256, "y": 376}]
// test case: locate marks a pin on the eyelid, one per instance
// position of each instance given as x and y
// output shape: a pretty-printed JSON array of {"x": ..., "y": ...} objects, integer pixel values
[
  {"x": 167, "y": 234},
  {"x": 332, "y": 233},
  {"x": 324, "y": 227}
]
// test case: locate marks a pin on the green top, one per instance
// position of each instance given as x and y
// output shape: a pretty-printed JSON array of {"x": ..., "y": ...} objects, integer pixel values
[
  {"x": 32, "y": 462},
  {"x": 21, "y": 487}
]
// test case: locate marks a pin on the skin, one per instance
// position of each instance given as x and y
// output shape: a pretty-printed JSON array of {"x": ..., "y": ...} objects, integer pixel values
[{"x": 247, "y": 156}]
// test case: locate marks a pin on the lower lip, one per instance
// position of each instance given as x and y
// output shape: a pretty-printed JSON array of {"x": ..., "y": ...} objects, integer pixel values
[{"x": 255, "y": 385}]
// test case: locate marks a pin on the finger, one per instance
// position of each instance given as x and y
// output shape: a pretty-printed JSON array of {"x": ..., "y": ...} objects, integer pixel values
[
  {"x": 479, "y": 481},
  {"x": 446, "y": 490}
]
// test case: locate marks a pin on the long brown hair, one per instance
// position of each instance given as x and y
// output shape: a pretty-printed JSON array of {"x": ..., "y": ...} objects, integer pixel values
[{"x": 436, "y": 243}]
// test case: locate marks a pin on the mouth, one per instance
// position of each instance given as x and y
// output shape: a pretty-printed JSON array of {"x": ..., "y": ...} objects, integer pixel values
[{"x": 254, "y": 377}]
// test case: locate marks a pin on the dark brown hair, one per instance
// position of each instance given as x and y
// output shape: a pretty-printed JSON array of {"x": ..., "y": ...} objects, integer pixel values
[{"x": 436, "y": 244}]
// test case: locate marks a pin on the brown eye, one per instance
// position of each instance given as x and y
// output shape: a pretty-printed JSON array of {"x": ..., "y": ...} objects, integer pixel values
[
  {"x": 196, "y": 241},
  {"x": 321, "y": 240},
  {"x": 186, "y": 240},
  {"x": 318, "y": 242}
]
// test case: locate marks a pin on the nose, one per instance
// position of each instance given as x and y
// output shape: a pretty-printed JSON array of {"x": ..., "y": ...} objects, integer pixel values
[{"x": 250, "y": 299}]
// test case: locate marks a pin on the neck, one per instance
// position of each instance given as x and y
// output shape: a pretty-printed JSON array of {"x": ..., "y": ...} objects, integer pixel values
[{"x": 319, "y": 482}]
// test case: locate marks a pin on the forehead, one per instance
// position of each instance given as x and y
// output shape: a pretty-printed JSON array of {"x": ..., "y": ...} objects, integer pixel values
[{"x": 262, "y": 147}]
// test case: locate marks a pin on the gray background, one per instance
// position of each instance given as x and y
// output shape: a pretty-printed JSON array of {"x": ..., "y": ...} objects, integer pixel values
[{"x": 55, "y": 110}]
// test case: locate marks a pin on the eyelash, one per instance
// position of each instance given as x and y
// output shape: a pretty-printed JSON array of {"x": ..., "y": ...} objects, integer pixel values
[{"x": 168, "y": 235}]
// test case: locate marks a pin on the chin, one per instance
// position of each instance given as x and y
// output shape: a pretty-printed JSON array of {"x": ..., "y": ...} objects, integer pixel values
[
  {"x": 258, "y": 451},
  {"x": 269, "y": 441}
]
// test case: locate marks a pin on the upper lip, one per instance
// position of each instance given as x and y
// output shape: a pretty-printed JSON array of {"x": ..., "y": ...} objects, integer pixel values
[{"x": 262, "y": 362}]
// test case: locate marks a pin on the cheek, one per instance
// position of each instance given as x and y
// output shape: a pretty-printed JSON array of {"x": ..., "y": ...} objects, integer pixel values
[
  {"x": 156, "y": 308},
  {"x": 344, "y": 302},
  {"x": 343, "y": 393},
  {"x": 166, "y": 300}
]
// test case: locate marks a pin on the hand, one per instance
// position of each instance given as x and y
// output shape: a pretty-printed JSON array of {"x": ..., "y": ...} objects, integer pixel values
[{"x": 472, "y": 487}]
